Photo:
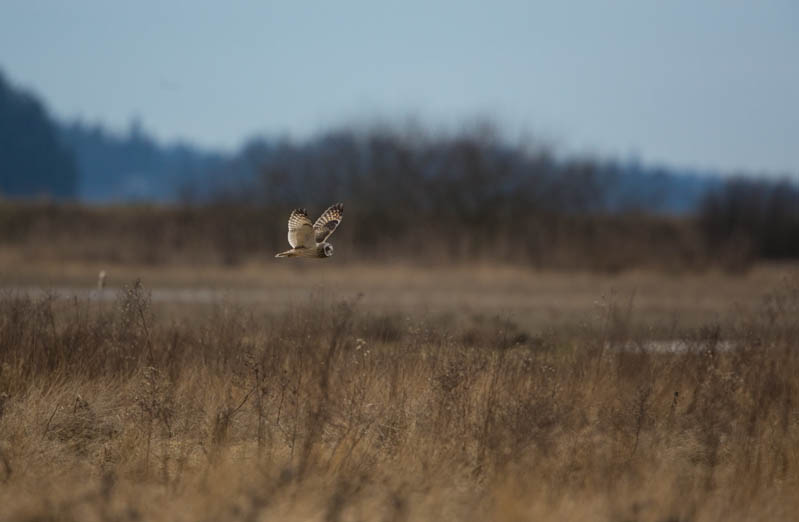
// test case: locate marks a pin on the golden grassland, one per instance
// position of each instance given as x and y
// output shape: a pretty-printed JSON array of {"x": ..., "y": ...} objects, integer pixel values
[{"x": 317, "y": 392}]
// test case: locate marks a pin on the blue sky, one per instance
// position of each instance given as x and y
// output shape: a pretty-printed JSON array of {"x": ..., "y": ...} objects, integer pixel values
[{"x": 709, "y": 85}]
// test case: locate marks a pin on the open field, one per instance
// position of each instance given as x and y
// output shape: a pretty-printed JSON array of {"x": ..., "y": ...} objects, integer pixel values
[
  {"x": 532, "y": 298},
  {"x": 317, "y": 392}
]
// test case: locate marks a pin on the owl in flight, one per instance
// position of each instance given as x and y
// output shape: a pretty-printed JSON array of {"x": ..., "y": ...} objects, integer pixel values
[{"x": 309, "y": 240}]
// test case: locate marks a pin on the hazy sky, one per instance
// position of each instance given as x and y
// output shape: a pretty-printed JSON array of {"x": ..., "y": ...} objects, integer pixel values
[{"x": 688, "y": 83}]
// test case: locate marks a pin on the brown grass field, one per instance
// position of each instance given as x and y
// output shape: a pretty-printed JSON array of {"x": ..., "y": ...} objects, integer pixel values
[{"x": 308, "y": 391}]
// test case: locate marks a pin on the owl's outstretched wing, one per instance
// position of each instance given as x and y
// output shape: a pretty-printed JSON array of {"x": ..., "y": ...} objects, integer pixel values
[
  {"x": 301, "y": 231},
  {"x": 327, "y": 222}
]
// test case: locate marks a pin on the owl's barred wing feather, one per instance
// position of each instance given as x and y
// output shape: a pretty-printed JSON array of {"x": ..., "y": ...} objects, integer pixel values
[
  {"x": 301, "y": 231},
  {"x": 328, "y": 221}
]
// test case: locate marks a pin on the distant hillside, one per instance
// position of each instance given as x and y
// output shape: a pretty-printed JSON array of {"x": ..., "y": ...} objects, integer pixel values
[
  {"x": 33, "y": 162},
  {"x": 134, "y": 167}
]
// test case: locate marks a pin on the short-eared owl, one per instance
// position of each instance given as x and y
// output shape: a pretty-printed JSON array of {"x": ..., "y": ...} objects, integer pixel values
[{"x": 309, "y": 240}]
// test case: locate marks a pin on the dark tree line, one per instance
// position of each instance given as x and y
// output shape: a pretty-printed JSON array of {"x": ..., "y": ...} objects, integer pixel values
[
  {"x": 33, "y": 161},
  {"x": 456, "y": 194},
  {"x": 752, "y": 219}
]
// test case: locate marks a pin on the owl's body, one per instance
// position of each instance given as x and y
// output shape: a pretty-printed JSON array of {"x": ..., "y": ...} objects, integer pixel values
[
  {"x": 317, "y": 251},
  {"x": 310, "y": 239}
]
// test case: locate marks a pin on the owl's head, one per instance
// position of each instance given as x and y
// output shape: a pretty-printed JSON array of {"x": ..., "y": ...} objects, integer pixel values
[{"x": 325, "y": 250}]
